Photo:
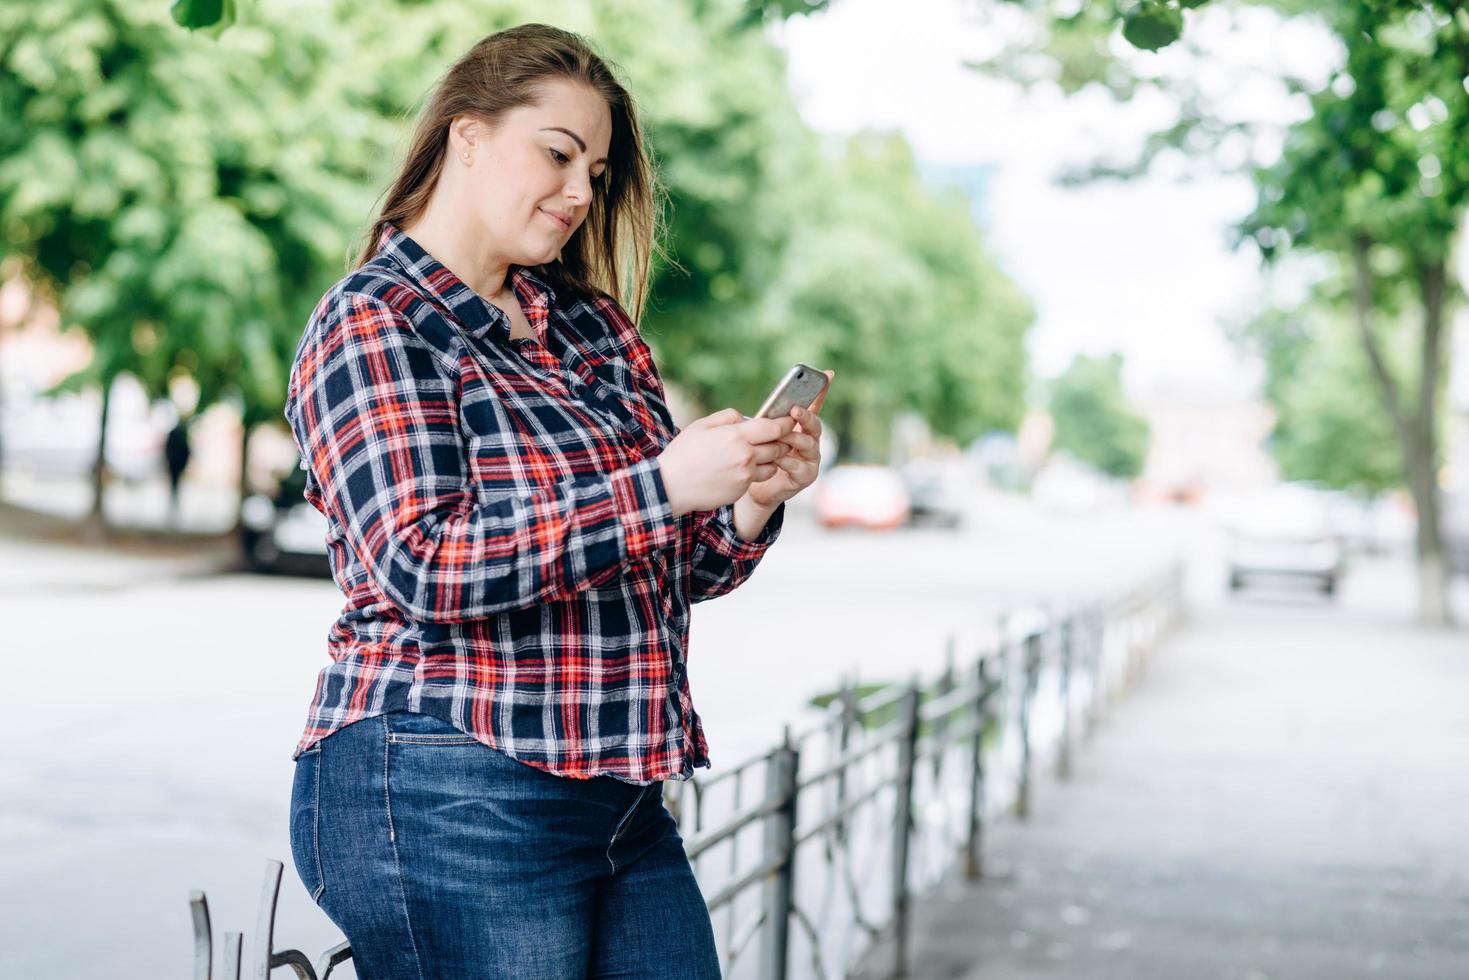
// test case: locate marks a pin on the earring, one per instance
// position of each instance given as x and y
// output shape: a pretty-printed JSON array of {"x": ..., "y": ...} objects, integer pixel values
[{"x": 466, "y": 157}]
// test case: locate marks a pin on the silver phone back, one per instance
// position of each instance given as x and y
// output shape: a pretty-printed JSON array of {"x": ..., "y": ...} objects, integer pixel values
[{"x": 800, "y": 386}]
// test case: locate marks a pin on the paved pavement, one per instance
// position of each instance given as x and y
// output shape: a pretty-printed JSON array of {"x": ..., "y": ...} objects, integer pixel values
[
  {"x": 1284, "y": 795},
  {"x": 147, "y": 747}
]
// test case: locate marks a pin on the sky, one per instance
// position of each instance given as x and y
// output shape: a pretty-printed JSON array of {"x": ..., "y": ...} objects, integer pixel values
[{"x": 1144, "y": 268}]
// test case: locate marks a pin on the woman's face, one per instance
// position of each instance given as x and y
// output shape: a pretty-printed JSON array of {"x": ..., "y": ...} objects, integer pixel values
[{"x": 529, "y": 180}]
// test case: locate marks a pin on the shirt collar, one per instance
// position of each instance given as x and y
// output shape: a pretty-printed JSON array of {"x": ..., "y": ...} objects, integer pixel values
[{"x": 475, "y": 314}]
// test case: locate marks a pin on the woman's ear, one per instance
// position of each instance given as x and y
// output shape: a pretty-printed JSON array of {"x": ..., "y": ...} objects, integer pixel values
[{"x": 464, "y": 134}]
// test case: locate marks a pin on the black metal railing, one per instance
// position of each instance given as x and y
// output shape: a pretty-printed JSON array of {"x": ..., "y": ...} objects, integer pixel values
[{"x": 885, "y": 795}]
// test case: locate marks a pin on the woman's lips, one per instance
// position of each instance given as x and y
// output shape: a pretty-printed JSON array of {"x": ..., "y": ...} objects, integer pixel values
[{"x": 565, "y": 225}]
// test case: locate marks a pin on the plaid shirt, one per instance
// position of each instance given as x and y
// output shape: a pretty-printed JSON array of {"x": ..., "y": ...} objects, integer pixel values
[{"x": 498, "y": 521}]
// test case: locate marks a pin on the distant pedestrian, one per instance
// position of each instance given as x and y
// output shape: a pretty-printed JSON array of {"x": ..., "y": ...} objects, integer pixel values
[
  {"x": 176, "y": 453},
  {"x": 521, "y": 531}
]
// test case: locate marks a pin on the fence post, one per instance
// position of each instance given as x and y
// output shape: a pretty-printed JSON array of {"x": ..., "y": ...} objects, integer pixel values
[
  {"x": 848, "y": 723},
  {"x": 1179, "y": 582},
  {"x": 1096, "y": 632},
  {"x": 233, "y": 943},
  {"x": 974, "y": 840},
  {"x": 779, "y": 843},
  {"x": 1130, "y": 631},
  {"x": 1063, "y": 760},
  {"x": 1032, "y": 673},
  {"x": 267, "y": 958},
  {"x": 903, "y": 823},
  {"x": 946, "y": 684},
  {"x": 203, "y": 935}
]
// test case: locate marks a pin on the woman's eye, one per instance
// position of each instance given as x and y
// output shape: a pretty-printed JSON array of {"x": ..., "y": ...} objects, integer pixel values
[{"x": 560, "y": 157}]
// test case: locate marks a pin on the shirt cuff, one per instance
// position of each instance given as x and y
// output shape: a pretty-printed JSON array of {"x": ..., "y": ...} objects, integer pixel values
[
  {"x": 720, "y": 533},
  {"x": 642, "y": 506}
]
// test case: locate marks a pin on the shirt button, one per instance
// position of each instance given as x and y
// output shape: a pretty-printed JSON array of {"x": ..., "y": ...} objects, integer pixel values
[{"x": 677, "y": 669}]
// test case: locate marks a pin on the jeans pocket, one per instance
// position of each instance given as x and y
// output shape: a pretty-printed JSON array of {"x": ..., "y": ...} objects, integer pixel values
[
  {"x": 417, "y": 728},
  {"x": 305, "y": 822}
]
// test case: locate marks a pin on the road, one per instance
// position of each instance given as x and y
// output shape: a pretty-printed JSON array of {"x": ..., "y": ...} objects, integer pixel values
[{"x": 156, "y": 704}]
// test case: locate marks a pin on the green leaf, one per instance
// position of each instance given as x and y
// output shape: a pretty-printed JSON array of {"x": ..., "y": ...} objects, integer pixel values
[
  {"x": 1151, "y": 26},
  {"x": 210, "y": 16}
]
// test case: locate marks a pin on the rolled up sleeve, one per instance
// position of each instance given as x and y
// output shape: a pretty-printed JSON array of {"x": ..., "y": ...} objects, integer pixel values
[{"x": 721, "y": 559}]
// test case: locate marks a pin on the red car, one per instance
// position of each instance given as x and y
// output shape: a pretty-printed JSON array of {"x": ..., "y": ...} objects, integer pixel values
[{"x": 862, "y": 495}]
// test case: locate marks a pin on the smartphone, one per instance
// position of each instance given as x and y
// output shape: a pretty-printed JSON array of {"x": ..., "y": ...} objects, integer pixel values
[{"x": 802, "y": 385}]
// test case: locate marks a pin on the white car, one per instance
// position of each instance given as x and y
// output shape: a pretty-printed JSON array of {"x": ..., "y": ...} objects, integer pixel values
[{"x": 1284, "y": 533}]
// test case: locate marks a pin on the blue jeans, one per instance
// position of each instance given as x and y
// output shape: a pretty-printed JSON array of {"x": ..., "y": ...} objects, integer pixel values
[{"x": 439, "y": 857}]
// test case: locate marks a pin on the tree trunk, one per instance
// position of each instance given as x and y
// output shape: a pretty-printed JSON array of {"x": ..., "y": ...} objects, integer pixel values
[
  {"x": 1363, "y": 299},
  {"x": 98, "y": 517},
  {"x": 244, "y": 481},
  {"x": 1422, "y": 456},
  {"x": 1416, "y": 432},
  {"x": 844, "y": 423}
]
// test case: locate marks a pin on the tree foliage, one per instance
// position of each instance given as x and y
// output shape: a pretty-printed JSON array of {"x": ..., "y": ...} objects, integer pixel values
[
  {"x": 1094, "y": 420},
  {"x": 187, "y": 195},
  {"x": 185, "y": 200},
  {"x": 1373, "y": 178},
  {"x": 1326, "y": 432}
]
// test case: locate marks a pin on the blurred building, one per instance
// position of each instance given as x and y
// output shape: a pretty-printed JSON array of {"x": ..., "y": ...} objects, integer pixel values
[
  {"x": 1033, "y": 442},
  {"x": 1206, "y": 437},
  {"x": 57, "y": 436}
]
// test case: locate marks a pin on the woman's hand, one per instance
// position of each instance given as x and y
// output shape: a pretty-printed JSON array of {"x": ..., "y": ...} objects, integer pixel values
[
  {"x": 715, "y": 459},
  {"x": 797, "y": 468}
]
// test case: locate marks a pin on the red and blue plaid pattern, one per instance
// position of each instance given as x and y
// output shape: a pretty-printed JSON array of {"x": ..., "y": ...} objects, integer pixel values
[{"x": 498, "y": 522}]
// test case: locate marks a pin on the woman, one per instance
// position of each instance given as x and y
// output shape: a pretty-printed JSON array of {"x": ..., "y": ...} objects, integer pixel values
[{"x": 520, "y": 531}]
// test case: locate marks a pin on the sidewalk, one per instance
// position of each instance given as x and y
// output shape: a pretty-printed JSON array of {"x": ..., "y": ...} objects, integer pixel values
[
  {"x": 138, "y": 508},
  {"x": 1284, "y": 795},
  {"x": 47, "y": 541}
]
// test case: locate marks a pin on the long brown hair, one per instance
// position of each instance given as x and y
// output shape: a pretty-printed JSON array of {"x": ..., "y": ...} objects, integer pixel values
[{"x": 612, "y": 250}]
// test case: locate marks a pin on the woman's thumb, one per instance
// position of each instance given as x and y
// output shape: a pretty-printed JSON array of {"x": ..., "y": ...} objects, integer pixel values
[{"x": 724, "y": 416}]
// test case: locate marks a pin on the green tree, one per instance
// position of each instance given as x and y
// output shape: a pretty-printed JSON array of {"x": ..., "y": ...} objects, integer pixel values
[
  {"x": 1325, "y": 432},
  {"x": 1374, "y": 180},
  {"x": 186, "y": 197},
  {"x": 185, "y": 201},
  {"x": 779, "y": 249},
  {"x": 1378, "y": 177},
  {"x": 1094, "y": 420},
  {"x": 887, "y": 281}
]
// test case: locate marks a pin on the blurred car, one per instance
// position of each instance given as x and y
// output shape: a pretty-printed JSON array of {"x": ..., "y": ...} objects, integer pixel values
[
  {"x": 1284, "y": 532},
  {"x": 281, "y": 532},
  {"x": 862, "y": 495},
  {"x": 1065, "y": 484},
  {"x": 1454, "y": 522},
  {"x": 934, "y": 496}
]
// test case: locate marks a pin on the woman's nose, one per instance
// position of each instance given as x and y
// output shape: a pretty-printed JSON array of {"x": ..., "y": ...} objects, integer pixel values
[{"x": 578, "y": 190}]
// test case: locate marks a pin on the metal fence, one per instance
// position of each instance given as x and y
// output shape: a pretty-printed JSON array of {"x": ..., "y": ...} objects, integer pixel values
[{"x": 810, "y": 854}]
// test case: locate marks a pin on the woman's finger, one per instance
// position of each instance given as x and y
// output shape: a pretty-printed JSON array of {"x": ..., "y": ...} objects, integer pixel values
[
  {"x": 769, "y": 452},
  {"x": 809, "y": 421},
  {"x": 821, "y": 398},
  {"x": 802, "y": 443}
]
